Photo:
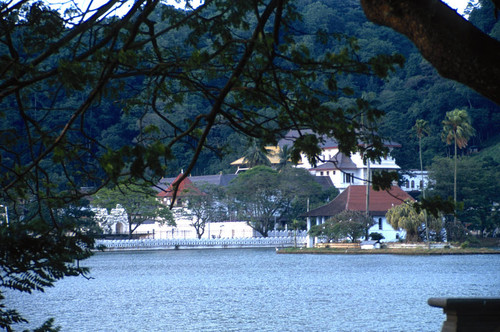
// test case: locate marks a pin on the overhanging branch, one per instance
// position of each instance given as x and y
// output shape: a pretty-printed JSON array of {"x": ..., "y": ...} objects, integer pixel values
[{"x": 457, "y": 49}]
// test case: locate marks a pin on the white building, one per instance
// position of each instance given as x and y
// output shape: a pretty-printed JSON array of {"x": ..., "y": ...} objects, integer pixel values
[
  {"x": 342, "y": 170},
  {"x": 115, "y": 223},
  {"x": 354, "y": 199},
  {"x": 412, "y": 180},
  {"x": 112, "y": 222}
]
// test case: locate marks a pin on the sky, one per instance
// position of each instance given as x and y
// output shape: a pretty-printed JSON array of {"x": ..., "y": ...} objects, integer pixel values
[{"x": 459, "y": 5}]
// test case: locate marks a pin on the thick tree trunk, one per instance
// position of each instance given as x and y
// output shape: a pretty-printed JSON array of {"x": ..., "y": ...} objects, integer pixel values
[{"x": 458, "y": 50}]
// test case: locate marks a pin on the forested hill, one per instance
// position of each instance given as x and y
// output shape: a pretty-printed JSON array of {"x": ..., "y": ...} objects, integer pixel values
[{"x": 414, "y": 92}]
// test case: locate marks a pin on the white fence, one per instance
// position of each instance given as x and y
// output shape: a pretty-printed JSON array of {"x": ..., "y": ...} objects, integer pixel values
[
  {"x": 287, "y": 233},
  {"x": 397, "y": 245},
  {"x": 254, "y": 242}
]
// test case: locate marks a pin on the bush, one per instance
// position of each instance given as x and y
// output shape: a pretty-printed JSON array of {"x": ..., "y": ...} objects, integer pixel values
[
  {"x": 455, "y": 231},
  {"x": 473, "y": 241},
  {"x": 376, "y": 236}
]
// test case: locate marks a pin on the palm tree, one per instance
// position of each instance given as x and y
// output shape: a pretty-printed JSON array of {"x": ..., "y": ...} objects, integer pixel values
[
  {"x": 255, "y": 155},
  {"x": 284, "y": 155},
  {"x": 421, "y": 128},
  {"x": 457, "y": 129}
]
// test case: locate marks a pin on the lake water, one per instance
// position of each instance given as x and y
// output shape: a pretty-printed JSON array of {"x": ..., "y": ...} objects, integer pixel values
[{"x": 259, "y": 290}]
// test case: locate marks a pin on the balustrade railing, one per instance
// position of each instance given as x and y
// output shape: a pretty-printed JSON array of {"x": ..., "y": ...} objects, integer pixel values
[{"x": 281, "y": 242}]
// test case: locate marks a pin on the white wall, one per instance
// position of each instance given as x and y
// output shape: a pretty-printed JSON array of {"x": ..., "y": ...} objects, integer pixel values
[
  {"x": 390, "y": 235},
  {"x": 383, "y": 227},
  {"x": 338, "y": 177},
  {"x": 183, "y": 230},
  {"x": 412, "y": 181}
]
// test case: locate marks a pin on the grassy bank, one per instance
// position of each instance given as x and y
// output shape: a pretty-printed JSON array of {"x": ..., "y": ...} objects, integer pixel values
[{"x": 398, "y": 251}]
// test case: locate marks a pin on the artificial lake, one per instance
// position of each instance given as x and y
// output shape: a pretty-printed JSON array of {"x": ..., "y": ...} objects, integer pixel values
[{"x": 259, "y": 290}]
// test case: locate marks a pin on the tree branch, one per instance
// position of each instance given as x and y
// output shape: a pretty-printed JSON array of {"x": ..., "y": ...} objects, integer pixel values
[
  {"x": 458, "y": 50},
  {"x": 218, "y": 103}
]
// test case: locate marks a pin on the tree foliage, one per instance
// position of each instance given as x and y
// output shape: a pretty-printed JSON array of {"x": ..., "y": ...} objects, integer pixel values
[
  {"x": 255, "y": 155},
  {"x": 454, "y": 46},
  {"x": 44, "y": 247},
  {"x": 89, "y": 99},
  {"x": 419, "y": 92},
  {"x": 376, "y": 236},
  {"x": 350, "y": 225},
  {"x": 263, "y": 196},
  {"x": 207, "y": 207},
  {"x": 421, "y": 129},
  {"x": 247, "y": 69},
  {"x": 138, "y": 201},
  {"x": 477, "y": 191},
  {"x": 413, "y": 221},
  {"x": 457, "y": 130}
]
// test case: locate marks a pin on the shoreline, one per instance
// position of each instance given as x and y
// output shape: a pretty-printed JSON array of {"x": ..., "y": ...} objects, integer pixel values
[{"x": 399, "y": 251}]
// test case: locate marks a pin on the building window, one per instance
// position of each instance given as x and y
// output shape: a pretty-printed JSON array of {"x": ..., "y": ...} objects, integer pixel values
[
  {"x": 321, "y": 173},
  {"x": 407, "y": 183},
  {"x": 348, "y": 178},
  {"x": 327, "y": 173},
  {"x": 412, "y": 184},
  {"x": 380, "y": 223},
  {"x": 421, "y": 184}
]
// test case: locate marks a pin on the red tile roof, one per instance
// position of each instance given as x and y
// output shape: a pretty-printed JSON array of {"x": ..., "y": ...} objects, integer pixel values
[
  {"x": 184, "y": 188},
  {"x": 354, "y": 199}
]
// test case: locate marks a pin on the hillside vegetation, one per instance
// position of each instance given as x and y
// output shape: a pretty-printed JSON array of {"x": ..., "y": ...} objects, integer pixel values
[
  {"x": 413, "y": 92},
  {"x": 490, "y": 148}
]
